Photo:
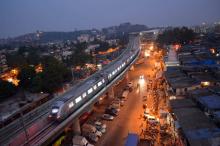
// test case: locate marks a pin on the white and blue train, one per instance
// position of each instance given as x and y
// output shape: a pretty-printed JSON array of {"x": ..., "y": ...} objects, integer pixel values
[{"x": 84, "y": 91}]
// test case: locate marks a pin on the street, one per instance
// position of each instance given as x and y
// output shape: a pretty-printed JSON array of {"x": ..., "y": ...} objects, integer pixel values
[{"x": 130, "y": 118}]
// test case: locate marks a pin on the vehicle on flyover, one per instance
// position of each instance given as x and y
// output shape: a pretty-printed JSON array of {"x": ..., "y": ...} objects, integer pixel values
[{"x": 82, "y": 92}]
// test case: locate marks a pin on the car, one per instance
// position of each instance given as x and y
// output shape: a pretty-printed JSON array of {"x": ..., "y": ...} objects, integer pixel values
[
  {"x": 111, "y": 112},
  {"x": 91, "y": 137},
  {"x": 144, "y": 98},
  {"x": 98, "y": 123},
  {"x": 130, "y": 84},
  {"x": 88, "y": 128},
  {"x": 124, "y": 94},
  {"x": 99, "y": 128},
  {"x": 141, "y": 77},
  {"x": 117, "y": 100},
  {"x": 112, "y": 107},
  {"x": 115, "y": 104},
  {"x": 80, "y": 141},
  {"x": 107, "y": 117}
]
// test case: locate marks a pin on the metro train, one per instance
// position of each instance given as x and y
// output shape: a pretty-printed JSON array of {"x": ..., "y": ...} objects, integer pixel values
[{"x": 85, "y": 90}]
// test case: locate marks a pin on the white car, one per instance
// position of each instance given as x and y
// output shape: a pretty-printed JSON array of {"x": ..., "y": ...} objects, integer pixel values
[
  {"x": 107, "y": 117},
  {"x": 98, "y": 133},
  {"x": 100, "y": 124},
  {"x": 130, "y": 84},
  {"x": 100, "y": 128}
]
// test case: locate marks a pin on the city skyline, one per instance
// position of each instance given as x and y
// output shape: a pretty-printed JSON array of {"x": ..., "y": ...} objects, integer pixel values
[{"x": 27, "y": 16}]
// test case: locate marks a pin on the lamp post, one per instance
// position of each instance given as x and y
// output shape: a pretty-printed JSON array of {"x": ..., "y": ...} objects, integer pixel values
[
  {"x": 25, "y": 130},
  {"x": 72, "y": 73}
]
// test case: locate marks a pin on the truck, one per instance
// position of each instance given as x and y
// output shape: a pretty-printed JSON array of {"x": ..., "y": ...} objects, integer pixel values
[{"x": 132, "y": 139}]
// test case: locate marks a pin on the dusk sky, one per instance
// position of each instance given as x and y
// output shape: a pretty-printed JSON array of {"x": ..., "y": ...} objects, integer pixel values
[{"x": 24, "y": 16}]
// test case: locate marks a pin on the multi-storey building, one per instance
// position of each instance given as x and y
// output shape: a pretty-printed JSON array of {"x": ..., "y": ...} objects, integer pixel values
[{"x": 3, "y": 63}]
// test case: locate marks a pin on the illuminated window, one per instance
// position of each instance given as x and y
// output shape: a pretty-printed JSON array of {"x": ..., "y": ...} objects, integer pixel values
[
  {"x": 78, "y": 99},
  {"x": 110, "y": 75},
  {"x": 90, "y": 91},
  {"x": 71, "y": 104},
  {"x": 99, "y": 83},
  {"x": 84, "y": 95},
  {"x": 94, "y": 87},
  {"x": 103, "y": 81}
]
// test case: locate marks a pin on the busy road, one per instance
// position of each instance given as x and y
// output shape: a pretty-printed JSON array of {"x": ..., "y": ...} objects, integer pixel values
[{"x": 131, "y": 117}]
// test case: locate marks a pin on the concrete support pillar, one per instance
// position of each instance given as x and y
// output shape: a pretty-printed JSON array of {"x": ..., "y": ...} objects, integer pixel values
[
  {"x": 76, "y": 127},
  {"x": 111, "y": 92},
  {"x": 126, "y": 77}
]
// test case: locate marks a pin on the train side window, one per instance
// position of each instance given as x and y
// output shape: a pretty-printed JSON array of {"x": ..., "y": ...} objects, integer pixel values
[
  {"x": 94, "y": 87},
  {"x": 84, "y": 95},
  {"x": 78, "y": 99},
  {"x": 90, "y": 91},
  {"x": 71, "y": 104},
  {"x": 99, "y": 83},
  {"x": 110, "y": 75}
]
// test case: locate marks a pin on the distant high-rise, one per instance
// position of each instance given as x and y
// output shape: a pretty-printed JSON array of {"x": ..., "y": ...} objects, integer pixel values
[{"x": 3, "y": 63}]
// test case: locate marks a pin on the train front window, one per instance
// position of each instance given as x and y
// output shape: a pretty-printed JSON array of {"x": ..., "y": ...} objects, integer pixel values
[{"x": 55, "y": 110}]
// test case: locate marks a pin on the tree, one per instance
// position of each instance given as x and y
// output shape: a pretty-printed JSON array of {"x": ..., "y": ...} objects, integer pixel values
[
  {"x": 15, "y": 60},
  {"x": 79, "y": 57},
  {"x": 176, "y": 35},
  {"x": 6, "y": 89},
  {"x": 26, "y": 75},
  {"x": 54, "y": 74},
  {"x": 37, "y": 83}
]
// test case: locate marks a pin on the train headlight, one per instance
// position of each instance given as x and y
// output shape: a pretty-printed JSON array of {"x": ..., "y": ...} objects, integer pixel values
[{"x": 55, "y": 110}]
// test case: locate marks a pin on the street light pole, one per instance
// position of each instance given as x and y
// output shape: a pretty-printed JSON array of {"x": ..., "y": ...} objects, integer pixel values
[
  {"x": 25, "y": 130},
  {"x": 72, "y": 73}
]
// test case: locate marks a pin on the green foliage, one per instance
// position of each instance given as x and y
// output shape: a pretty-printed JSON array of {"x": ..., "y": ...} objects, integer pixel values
[
  {"x": 25, "y": 56},
  {"x": 16, "y": 60},
  {"x": 26, "y": 75},
  {"x": 79, "y": 57},
  {"x": 6, "y": 89},
  {"x": 54, "y": 74},
  {"x": 37, "y": 83},
  {"x": 104, "y": 46},
  {"x": 176, "y": 35}
]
